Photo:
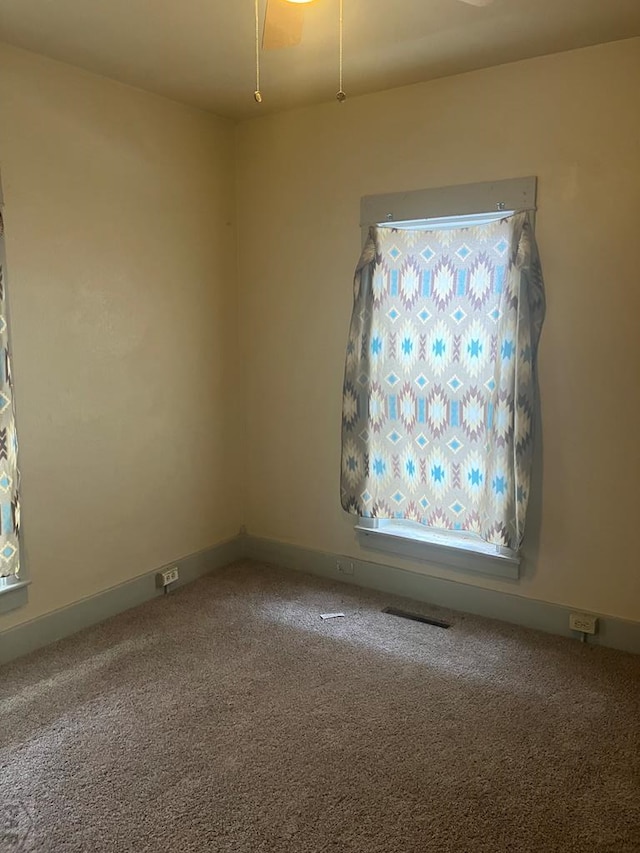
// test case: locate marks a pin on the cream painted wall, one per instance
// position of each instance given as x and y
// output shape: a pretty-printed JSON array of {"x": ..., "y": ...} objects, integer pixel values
[
  {"x": 571, "y": 119},
  {"x": 122, "y": 262},
  {"x": 121, "y": 254}
]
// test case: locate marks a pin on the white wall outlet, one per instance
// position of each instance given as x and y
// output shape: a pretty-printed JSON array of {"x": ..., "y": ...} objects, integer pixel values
[
  {"x": 167, "y": 576},
  {"x": 586, "y": 623},
  {"x": 345, "y": 567}
]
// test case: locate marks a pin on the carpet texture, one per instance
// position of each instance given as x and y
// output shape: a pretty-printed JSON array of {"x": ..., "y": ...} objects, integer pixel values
[{"x": 229, "y": 717}]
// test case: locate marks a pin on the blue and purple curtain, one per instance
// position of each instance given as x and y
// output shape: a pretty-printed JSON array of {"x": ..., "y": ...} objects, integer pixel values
[
  {"x": 9, "y": 476},
  {"x": 439, "y": 389}
]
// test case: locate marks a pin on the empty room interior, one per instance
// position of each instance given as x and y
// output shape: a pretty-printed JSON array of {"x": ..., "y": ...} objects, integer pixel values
[{"x": 319, "y": 405}]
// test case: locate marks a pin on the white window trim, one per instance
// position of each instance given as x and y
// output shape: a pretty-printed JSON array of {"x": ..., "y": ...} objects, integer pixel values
[
  {"x": 13, "y": 593},
  {"x": 451, "y": 548},
  {"x": 439, "y": 203},
  {"x": 456, "y": 206}
]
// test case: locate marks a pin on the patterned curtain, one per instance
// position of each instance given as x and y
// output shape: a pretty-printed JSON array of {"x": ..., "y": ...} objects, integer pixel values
[
  {"x": 9, "y": 477},
  {"x": 439, "y": 389}
]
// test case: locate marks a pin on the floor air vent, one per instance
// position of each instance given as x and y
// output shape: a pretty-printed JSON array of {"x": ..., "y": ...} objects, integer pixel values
[{"x": 403, "y": 614}]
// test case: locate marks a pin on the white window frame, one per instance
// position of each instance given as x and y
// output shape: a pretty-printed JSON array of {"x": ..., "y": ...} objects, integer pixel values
[
  {"x": 444, "y": 207},
  {"x": 13, "y": 593},
  {"x": 457, "y": 549}
]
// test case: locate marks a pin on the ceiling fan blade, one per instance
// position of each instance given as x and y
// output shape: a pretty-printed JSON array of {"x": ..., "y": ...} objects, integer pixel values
[
  {"x": 477, "y": 2},
  {"x": 282, "y": 24}
]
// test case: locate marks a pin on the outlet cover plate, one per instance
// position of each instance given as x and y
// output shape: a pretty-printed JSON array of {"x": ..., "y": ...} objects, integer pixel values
[
  {"x": 586, "y": 623},
  {"x": 167, "y": 576}
]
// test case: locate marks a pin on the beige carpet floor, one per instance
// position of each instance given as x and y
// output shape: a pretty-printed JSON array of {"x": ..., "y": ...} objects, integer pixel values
[{"x": 229, "y": 717}]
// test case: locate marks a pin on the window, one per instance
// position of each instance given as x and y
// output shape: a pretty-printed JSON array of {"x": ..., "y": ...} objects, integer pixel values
[
  {"x": 439, "y": 391},
  {"x": 12, "y": 586}
]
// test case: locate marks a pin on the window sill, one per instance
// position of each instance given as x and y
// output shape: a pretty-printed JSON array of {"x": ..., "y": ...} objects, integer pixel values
[
  {"x": 13, "y": 594},
  {"x": 463, "y": 553}
]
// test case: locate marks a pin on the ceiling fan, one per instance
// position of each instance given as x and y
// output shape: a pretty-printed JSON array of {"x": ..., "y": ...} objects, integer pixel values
[{"x": 284, "y": 21}]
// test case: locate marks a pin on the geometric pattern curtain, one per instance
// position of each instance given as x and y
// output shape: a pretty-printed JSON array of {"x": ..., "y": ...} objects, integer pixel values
[
  {"x": 439, "y": 388},
  {"x": 9, "y": 477}
]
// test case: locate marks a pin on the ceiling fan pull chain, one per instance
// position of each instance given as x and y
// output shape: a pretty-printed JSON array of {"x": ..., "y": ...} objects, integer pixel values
[
  {"x": 341, "y": 95},
  {"x": 257, "y": 94}
]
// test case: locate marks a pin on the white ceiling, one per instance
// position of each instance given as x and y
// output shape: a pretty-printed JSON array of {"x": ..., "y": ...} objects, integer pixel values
[{"x": 202, "y": 51}]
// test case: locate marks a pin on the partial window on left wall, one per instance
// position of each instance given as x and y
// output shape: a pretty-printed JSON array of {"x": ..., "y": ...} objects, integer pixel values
[{"x": 9, "y": 474}]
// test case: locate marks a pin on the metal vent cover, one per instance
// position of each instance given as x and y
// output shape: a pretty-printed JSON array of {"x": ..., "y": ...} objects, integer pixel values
[{"x": 415, "y": 617}]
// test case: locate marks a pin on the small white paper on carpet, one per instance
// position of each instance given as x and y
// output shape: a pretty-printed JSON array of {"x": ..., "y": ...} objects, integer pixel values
[{"x": 331, "y": 615}]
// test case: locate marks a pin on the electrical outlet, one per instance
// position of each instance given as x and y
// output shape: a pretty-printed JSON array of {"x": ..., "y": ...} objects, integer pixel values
[
  {"x": 345, "y": 567},
  {"x": 586, "y": 623},
  {"x": 167, "y": 576}
]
